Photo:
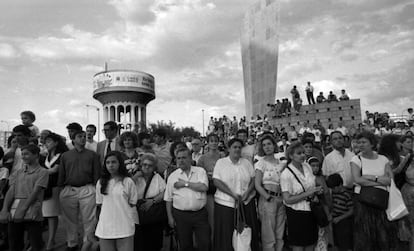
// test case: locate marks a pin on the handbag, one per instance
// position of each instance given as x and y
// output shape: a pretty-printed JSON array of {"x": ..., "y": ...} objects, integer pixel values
[
  {"x": 316, "y": 207},
  {"x": 53, "y": 177},
  {"x": 372, "y": 196},
  {"x": 242, "y": 234},
  {"x": 211, "y": 187},
  {"x": 157, "y": 213},
  {"x": 396, "y": 206},
  {"x": 174, "y": 245}
]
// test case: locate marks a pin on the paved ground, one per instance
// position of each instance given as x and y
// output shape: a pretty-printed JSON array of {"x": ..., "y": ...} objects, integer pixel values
[{"x": 61, "y": 244}]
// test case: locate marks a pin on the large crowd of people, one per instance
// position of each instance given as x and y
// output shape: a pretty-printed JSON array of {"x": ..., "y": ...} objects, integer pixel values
[{"x": 301, "y": 189}]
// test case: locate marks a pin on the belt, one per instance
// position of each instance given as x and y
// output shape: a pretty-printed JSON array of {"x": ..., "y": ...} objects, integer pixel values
[
  {"x": 189, "y": 211},
  {"x": 276, "y": 194}
]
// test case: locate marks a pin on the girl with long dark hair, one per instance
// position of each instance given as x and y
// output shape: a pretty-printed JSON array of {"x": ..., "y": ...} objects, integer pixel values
[{"x": 116, "y": 194}]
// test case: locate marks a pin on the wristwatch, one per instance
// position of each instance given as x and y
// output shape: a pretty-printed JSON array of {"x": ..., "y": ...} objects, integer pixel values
[{"x": 186, "y": 184}]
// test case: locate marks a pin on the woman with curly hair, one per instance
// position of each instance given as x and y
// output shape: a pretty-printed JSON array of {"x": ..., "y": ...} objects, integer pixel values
[
  {"x": 129, "y": 142},
  {"x": 116, "y": 196},
  {"x": 270, "y": 206}
]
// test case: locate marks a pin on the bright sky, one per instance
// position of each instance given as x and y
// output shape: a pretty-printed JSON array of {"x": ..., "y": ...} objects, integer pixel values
[{"x": 50, "y": 50}]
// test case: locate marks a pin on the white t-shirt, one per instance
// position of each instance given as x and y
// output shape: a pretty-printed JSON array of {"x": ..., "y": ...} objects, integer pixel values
[
  {"x": 374, "y": 167},
  {"x": 156, "y": 187},
  {"x": 334, "y": 162},
  {"x": 271, "y": 171},
  {"x": 302, "y": 130},
  {"x": 290, "y": 184},
  {"x": 91, "y": 145},
  {"x": 117, "y": 218},
  {"x": 317, "y": 134},
  {"x": 281, "y": 156},
  {"x": 236, "y": 176}
]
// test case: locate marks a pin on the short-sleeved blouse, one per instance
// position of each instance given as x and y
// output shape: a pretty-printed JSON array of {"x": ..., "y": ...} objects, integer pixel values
[
  {"x": 370, "y": 167},
  {"x": 271, "y": 171},
  {"x": 156, "y": 187},
  {"x": 288, "y": 183},
  {"x": 117, "y": 218},
  {"x": 236, "y": 176}
]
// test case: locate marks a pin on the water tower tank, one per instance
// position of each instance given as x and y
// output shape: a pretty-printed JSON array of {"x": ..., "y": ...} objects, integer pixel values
[{"x": 124, "y": 95}]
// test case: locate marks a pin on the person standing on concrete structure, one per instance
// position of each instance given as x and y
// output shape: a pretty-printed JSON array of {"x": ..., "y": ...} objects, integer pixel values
[
  {"x": 295, "y": 97},
  {"x": 309, "y": 93}
]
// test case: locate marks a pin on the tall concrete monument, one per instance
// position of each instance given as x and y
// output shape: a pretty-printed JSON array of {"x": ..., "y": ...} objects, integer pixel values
[
  {"x": 260, "y": 48},
  {"x": 124, "y": 95}
]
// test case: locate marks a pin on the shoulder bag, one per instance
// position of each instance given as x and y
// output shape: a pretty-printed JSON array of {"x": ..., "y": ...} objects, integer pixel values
[
  {"x": 242, "y": 233},
  {"x": 157, "y": 213},
  {"x": 372, "y": 196},
  {"x": 316, "y": 207}
]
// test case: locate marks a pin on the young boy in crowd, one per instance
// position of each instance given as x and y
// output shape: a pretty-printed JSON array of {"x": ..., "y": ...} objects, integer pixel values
[
  {"x": 342, "y": 213},
  {"x": 28, "y": 118},
  {"x": 324, "y": 232},
  {"x": 22, "y": 207}
]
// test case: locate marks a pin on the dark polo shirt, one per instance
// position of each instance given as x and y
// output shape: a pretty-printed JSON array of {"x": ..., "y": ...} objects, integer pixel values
[
  {"x": 24, "y": 181},
  {"x": 79, "y": 168}
]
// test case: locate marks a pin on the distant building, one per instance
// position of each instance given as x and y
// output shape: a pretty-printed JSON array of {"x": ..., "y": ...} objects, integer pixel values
[
  {"x": 260, "y": 48},
  {"x": 4, "y": 135},
  {"x": 124, "y": 95}
]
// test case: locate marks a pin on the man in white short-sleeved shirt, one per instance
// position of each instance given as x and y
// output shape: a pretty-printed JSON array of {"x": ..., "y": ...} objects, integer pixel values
[
  {"x": 186, "y": 197},
  {"x": 338, "y": 160}
]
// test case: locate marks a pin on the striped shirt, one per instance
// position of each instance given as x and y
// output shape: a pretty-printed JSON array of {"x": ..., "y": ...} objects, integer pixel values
[{"x": 341, "y": 202}]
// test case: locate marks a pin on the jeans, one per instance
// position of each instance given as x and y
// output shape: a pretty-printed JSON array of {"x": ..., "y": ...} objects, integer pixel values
[{"x": 273, "y": 217}]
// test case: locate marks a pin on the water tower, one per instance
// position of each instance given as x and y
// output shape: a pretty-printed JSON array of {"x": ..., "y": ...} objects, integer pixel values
[{"x": 124, "y": 95}]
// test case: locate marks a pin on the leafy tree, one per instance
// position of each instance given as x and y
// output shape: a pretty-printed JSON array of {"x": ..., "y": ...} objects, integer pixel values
[{"x": 175, "y": 134}]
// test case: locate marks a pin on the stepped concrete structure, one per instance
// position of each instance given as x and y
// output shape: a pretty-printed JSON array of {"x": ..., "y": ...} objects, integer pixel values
[{"x": 347, "y": 112}]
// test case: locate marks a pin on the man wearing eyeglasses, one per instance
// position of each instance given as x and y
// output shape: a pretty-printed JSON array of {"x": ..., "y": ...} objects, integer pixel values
[
  {"x": 111, "y": 143},
  {"x": 196, "y": 149}
]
